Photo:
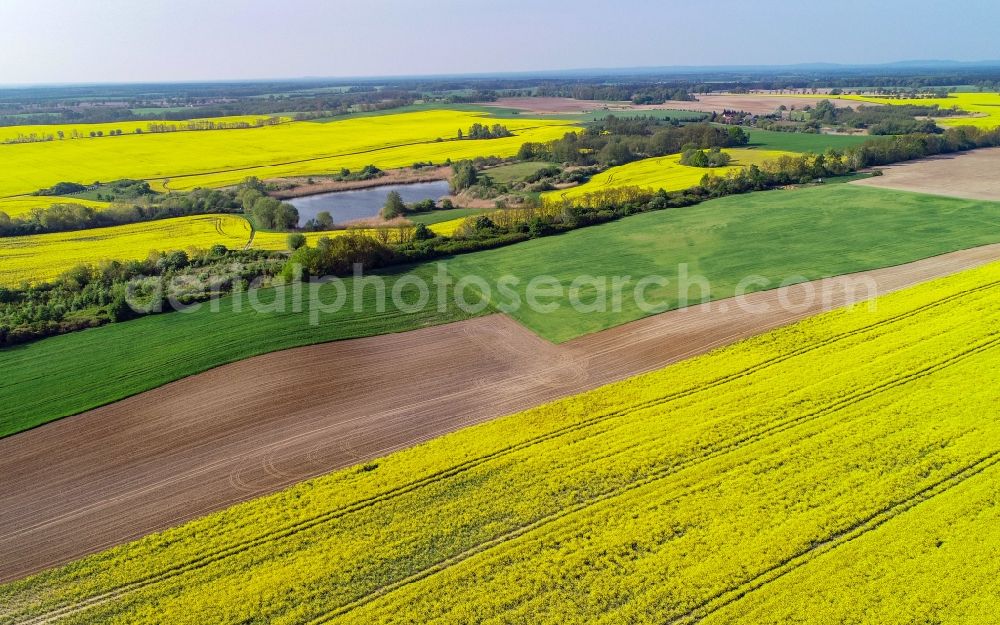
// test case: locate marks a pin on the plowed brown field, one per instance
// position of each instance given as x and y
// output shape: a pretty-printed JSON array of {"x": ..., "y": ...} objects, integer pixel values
[
  {"x": 971, "y": 175},
  {"x": 113, "y": 474},
  {"x": 758, "y": 104}
]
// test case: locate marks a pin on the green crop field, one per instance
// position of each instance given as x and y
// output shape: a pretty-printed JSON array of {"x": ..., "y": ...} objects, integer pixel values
[
  {"x": 802, "y": 141},
  {"x": 153, "y": 350},
  {"x": 815, "y": 232},
  {"x": 822, "y": 473},
  {"x": 441, "y": 216}
]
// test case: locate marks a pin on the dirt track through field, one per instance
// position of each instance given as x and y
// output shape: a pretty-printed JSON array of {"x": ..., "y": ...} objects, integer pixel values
[
  {"x": 971, "y": 175},
  {"x": 116, "y": 473}
]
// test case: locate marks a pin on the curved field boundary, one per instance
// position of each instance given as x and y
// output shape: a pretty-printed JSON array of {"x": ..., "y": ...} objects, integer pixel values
[
  {"x": 711, "y": 453},
  {"x": 968, "y": 175},
  {"x": 323, "y": 157},
  {"x": 19, "y": 256},
  {"x": 724, "y": 447},
  {"x": 665, "y": 172},
  {"x": 236, "y": 432},
  {"x": 872, "y": 522}
]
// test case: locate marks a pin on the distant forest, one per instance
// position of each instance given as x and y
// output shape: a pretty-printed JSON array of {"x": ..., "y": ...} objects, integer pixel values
[{"x": 316, "y": 98}]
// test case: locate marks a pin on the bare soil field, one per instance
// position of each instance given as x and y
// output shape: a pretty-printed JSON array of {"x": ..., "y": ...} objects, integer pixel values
[
  {"x": 110, "y": 475},
  {"x": 758, "y": 104},
  {"x": 324, "y": 185},
  {"x": 971, "y": 175},
  {"x": 557, "y": 106},
  {"x": 751, "y": 103}
]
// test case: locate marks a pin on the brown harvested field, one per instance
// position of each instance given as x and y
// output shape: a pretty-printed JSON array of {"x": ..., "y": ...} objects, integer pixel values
[
  {"x": 758, "y": 104},
  {"x": 971, "y": 175},
  {"x": 556, "y": 106},
  {"x": 113, "y": 474}
]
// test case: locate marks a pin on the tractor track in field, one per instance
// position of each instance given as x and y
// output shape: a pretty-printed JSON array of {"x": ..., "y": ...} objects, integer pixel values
[
  {"x": 113, "y": 474},
  {"x": 723, "y": 448},
  {"x": 859, "y": 529},
  {"x": 323, "y": 157}
]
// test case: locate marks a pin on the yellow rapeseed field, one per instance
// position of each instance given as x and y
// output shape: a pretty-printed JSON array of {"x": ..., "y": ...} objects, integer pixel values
[
  {"x": 73, "y": 131},
  {"x": 42, "y": 257},
  {"x": 665, "y": 172},
  {"x": 23, "y": 204},
  {"x": 448, "y": 228},
  {"x": 983, "y": 108},
  {"x": 212, "y": 158},
  {"x": 840, "y": 470}
]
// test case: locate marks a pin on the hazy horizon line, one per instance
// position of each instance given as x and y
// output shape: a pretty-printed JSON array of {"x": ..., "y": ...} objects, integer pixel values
[{"x": 628, "y": 70}]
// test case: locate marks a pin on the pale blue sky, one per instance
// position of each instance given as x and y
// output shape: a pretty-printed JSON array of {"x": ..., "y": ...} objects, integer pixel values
[{"x": 156, "y": 40}]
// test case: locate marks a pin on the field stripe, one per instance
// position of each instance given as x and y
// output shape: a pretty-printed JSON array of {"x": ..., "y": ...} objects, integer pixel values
[
  {"x": 307, "y": 524},
  {"x": 717, "y": 452},
  {"x": 859, "y": 529},
  {"x": 330, "y": 156}
]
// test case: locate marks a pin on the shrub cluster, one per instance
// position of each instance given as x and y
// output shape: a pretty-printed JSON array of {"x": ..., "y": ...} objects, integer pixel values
[{"x": 92, "y": 295}]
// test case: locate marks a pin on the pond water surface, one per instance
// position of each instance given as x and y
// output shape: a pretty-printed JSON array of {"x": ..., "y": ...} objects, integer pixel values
[{"x": 346, "y": 206}]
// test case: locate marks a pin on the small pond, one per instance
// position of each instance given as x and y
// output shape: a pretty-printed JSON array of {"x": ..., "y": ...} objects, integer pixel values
[{"x": 346, "y": 206}]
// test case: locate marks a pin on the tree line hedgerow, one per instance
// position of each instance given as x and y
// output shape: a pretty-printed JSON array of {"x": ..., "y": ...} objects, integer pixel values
[
  {"x": 28, "y": 315},
  {"x": 92, "y": 295},
  {"x": 616, "y": 141}
]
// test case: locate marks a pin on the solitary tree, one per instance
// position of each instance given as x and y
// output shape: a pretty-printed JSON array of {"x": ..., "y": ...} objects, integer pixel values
[
  {"x": 286, "y": 216},
  {"x": 464, "y": 176},
  {"x": 422, "y": 233},
  {"x": 394, "y": 206},
  {"x": 324, "y": 220}
]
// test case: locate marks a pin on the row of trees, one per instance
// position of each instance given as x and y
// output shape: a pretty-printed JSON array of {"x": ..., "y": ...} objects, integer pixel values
[
  {"x": 638, "y": 93},
  {"x": 38, "y": 311},
  {"x": 788, "y": 169},
  {"x": 198, "y": 103},
  {"x": 125, "y": 188},
  {"x": 482, "y": 131},
  {"x": 337, "y": 256},
  {"x": 598, "y": 146},
  {"x": 713, "y": 157},
  {"x": 880, "y": 120},
  {"x": 153, "y": 127},
  {"x": 395, "y": 206},
  {"x": 886, "y": 150}
]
